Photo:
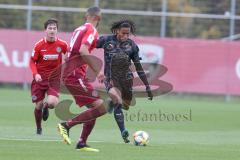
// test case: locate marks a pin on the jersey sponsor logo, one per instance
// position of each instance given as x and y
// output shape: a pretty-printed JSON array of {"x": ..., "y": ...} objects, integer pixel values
[
  {"x": 50, "y": 57},
  {"x": 43, "y": 50},
  {"x": 59, "y": 49}
]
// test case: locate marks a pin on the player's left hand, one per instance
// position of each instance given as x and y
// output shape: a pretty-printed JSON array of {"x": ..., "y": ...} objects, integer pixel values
[{"x": 149, "y": 92}]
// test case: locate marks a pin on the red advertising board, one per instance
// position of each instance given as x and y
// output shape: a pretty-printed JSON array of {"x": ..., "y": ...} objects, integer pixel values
[{"x": 200, "y": 66}]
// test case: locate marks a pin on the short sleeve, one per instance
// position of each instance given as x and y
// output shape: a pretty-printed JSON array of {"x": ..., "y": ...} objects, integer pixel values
[
  {"x": 101, "y": 42},
  {"x": 35, "y": 52}
]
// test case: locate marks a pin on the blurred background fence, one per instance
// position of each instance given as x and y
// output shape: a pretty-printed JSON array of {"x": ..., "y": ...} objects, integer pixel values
[{"x": 206, "y": 19}]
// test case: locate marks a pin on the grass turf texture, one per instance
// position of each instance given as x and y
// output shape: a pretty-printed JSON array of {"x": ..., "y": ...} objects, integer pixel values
[{"x": 213, "y": 132}]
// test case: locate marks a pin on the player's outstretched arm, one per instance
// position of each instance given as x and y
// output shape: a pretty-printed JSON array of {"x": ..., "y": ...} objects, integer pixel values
[{"x": 143, "y": 77}]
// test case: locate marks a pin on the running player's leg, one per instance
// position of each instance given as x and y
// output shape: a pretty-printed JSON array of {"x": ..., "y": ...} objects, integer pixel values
[
  {"x": 83, "y": 95},
  {"x": 86, "y": 131},
  {"x": 126, "y": 90},
  {"x": 52, "y": 101},
  {"x": 98, "y": 109},
  {"x": 87, "y": 117},
  {"x": 38, "y": 116},
  {"x": 38, "y": 95},
  {"x": 115, "y": 95}
]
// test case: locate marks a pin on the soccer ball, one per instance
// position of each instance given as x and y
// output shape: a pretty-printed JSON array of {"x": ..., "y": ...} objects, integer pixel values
[{"x": 141, "y": 138}]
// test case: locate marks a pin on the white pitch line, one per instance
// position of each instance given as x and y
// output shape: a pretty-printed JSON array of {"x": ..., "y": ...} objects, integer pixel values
[
  {"x": 39, "y": 140},
  {"x": 58, "y": 140}
]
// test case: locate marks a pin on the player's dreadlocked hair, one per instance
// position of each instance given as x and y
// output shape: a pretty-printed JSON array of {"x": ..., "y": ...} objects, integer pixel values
[{"x": 122, "y": 24}]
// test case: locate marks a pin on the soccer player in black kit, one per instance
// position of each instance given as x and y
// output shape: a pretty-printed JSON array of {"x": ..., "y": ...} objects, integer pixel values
[{"x": 119, "y": 51}]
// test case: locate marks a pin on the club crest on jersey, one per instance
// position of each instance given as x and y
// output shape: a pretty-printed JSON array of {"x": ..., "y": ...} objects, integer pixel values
[
  {"x": 126, "y": 46},
  {"x": 59, "y": 49},
  {"x": 34, "y": 98},
  {"x": 110, "y": 46}
]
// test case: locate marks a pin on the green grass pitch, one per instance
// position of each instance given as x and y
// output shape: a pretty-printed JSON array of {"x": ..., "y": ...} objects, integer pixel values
[{"x": 192, "y": 129}]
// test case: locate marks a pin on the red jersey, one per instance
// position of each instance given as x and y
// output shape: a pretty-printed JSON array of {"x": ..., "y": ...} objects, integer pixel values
[
  {"x": 86, "y": 34},
  {"x": 47, "y": 56}
]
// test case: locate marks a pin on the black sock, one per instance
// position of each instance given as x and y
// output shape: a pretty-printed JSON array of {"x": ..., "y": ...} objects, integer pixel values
[{"x": 119, "y": 117}]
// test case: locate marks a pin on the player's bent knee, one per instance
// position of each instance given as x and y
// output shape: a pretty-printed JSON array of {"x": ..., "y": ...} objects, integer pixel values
[
  {"x": 116, "y": 98},
  {"x": 39, "y": 105},
  {"x": 52, "y": 101},
  {"x": 98, "y": 102},
  {"x": 52, "y": 104}
]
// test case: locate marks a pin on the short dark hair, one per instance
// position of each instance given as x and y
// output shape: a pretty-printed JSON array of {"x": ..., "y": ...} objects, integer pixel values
[
  {"x": 51, "y": 21},
  {"x": 125, "y": 23},
  {"x": 93, "y": 11}
]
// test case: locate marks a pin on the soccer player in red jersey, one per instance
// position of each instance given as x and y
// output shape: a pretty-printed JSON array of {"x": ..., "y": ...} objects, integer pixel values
[
  {"x": 83, "y": 41},
  {"x": 47, "y": 55}
]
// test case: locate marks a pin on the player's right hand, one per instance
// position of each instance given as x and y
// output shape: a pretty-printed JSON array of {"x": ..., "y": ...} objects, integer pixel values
[
  {"x": 38, "y": 78},
  {"x": 100, "y": 77}
]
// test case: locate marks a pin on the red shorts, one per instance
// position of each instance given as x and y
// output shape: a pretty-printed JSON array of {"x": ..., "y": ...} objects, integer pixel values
[
  {"x": 39, "y": 89},
  {"x": 81, "y": 89}
]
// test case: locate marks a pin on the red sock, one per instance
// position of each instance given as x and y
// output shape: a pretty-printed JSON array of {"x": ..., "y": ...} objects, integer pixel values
[
  {"x": 88, "y": 115},
  {"x": 38, "y": 117},
  {"x": 86, "y": 130}
]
